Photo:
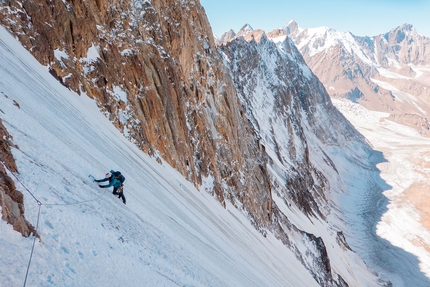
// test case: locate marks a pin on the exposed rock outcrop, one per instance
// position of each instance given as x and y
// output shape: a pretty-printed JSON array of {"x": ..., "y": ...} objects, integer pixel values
[{"x": 11, "y": 199}]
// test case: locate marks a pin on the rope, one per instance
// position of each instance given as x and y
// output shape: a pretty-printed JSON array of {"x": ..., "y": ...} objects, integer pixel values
[
  {"x": 50, "y": 204},
  {"x": 32, "y": 248},
  {"x": 38, "y": 201},
  {"x": 77, "y": 202},
  {"x": 74, "y": 203}
]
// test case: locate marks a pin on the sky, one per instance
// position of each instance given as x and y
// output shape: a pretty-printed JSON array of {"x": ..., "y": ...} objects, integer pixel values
[{"x": 360, "y": 17}]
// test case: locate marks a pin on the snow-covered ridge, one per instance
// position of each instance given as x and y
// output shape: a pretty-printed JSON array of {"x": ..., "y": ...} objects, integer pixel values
[
  {"x": 317, "y": 40},
  {"x": 284, "y": 44},
  {"x": 312, "y": 41}
]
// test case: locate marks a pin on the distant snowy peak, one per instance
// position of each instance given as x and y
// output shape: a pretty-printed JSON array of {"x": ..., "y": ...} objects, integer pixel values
[
  {"x": 244, "y": 30},
  {"x": 403, "y": 44},
  {"x": 316, "y": 40},
  {"x": 225, "y": 38},
  {"x": 292, "y": 28},
  {"x": 400, "y": 33},
  {"x": 407, "y": 44}
]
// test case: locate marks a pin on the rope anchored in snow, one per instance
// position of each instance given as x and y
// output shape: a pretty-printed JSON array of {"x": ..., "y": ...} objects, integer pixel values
[
  {"x": 4, "y": 165},
  {"x": 74, "y": 203},
  {"x": 32, "y": 248},
  {"x": 50, "y": 204},
  {"x": 39, "y": 203}
]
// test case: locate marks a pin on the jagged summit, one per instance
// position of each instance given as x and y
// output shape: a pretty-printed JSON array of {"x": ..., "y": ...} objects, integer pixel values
[
  {"x": 399, "y": 34},
  {"x": 230, "y": 35},
  {"x": 407, "y": 26},
  {"x": 292, "y": 27},
  {"x": 244, "y": 30},
  {"x": 292, "y": 22},
  {"x": 225, "y": 38},
  {"x": 247, "y": 32}
]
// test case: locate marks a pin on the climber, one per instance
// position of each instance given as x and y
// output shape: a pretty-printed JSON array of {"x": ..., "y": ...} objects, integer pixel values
[{"x": 116, "y": 179}]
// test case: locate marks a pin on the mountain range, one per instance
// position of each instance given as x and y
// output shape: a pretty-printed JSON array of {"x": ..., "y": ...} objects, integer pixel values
[{"x": 387, "y": 73}]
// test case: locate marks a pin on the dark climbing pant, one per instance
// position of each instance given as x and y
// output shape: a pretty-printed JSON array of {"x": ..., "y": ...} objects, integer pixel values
[{"x": 120, "y": 194}]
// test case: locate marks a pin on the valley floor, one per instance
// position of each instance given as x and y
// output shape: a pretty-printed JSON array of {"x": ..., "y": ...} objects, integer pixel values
[{"x": 404, "y": 221}]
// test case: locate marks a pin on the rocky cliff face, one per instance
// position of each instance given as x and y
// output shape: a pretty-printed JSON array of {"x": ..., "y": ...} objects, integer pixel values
[
  {"x": 387, "y": 72},
  {"x": 256, "y": 141}
]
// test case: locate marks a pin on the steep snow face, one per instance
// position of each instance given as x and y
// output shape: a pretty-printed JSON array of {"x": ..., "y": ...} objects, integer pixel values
[
  {"x": 301, "y": 132},
  {"x": 168, "y": 234}
]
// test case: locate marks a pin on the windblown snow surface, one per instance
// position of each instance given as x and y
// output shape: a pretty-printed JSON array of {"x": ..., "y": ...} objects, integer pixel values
[{"x": 168, "y": 234}]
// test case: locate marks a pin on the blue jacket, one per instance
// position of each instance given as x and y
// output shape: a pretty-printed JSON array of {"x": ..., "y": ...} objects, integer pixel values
[{"x": 114, "y": 182}]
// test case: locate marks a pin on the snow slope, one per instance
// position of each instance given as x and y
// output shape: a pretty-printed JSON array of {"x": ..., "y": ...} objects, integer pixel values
[{"x": 168, "y": 234}]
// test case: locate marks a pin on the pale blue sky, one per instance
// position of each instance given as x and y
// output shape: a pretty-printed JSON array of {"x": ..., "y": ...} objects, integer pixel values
[{"x": 360, "y": 17}]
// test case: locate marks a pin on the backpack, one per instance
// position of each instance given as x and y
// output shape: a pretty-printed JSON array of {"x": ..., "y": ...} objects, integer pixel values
[{"x": 119, "y": 176}]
